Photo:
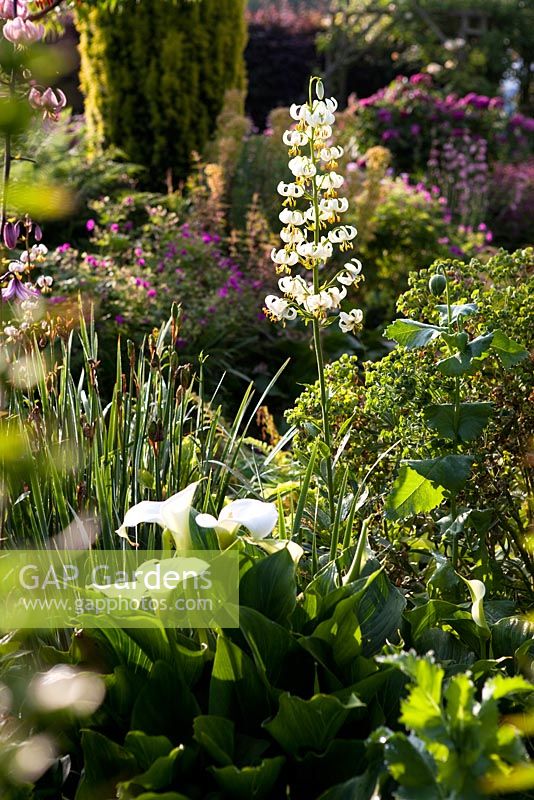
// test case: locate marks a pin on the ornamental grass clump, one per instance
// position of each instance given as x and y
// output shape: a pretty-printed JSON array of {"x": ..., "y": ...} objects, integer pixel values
[{"x": 309, "y": 234}]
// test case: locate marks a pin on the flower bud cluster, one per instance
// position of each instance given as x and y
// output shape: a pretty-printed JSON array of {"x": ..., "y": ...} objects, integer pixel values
[{"x": 310, "y": 234}]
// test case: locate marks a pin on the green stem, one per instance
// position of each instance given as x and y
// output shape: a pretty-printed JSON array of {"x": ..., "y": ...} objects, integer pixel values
[{"x": 319, "y": 355}]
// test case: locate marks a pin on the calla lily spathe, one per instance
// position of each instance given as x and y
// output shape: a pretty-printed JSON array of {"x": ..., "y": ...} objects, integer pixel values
[
  {"x": 256, "y": 516},
  {"x": 172, "y": 514}
]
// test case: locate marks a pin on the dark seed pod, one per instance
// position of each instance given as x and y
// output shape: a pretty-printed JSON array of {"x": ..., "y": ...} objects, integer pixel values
[{"x": 437, "y": 284}]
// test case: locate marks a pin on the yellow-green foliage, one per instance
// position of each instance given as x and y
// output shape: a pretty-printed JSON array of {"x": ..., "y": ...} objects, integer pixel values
[{"x": 154, "y": 75}]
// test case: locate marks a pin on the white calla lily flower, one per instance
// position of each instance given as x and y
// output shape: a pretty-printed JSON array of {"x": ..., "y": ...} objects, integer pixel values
[
  {"x": 172, "y": 514},
  {"x": 258, "y": 517}
]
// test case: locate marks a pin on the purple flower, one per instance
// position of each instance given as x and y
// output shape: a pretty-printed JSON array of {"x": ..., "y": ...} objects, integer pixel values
[
  {"x": 119, "y": 319},
  {"x": 17, "y": 290},
  {"x": 63, "y": 247},
  {"x": 415, "y": 129},
  {"x": 390, "y": 134},
  {"x": 114, "y": 228},
  {"x": 151, "y": 293},
  {"x": 90, "y": 225}
]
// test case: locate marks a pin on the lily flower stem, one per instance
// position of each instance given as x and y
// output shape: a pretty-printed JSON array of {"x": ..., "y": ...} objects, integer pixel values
[
  {"x": 457, "y": 401},
  {"x": 7, "y": 144},
  {"x": 319, "y": 355}
]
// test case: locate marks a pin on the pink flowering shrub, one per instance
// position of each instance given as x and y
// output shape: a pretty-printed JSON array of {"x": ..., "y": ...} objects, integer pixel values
[
  {"x": 511, "y": 203},
  {"x": 143, "y": 258},
  {"x": 412, "y": 115}
]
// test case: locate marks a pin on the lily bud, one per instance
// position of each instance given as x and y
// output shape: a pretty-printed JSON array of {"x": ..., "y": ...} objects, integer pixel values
[
  {"x": 37, "y": 233},
  {"x": 11, "y": 234},
  {"x": 22, "y": 31}
]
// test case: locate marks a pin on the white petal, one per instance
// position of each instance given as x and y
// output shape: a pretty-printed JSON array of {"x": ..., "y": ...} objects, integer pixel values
[
  {"x": 175, "y": 512},
  {"x": 206, "y": 521},
  {"x": 146, "y": 511},
  {"x": 255, "y": 515}
]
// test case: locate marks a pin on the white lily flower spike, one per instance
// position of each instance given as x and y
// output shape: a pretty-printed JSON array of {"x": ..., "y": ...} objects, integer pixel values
[
  {"x": 258, "y": 517},
  {"x": 172, "y": 514}
]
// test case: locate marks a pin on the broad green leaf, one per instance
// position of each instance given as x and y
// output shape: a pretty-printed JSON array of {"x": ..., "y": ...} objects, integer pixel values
[
  {"x": 410, "y": 334},
  {"x": 430, "y": 614},
  {"x": 508, "y": 351},
  {"x": 412, "y": 494},
  {"x": 468, "y": 359},
  {"x": 451, "y": 472},
  {"x": 236, "y": 689},
  {"x": 147, "y": 749},
  {"x": 363, "y": 787},
  {"x": 161, "y": 796},
  {"x": 470, "y": 422},
  {"x": 457, "y": 311},
  {"x": 302, "y": 725},
  {"x": 410, "y": 764},
  {"x": 501, "y": 686},
  {"x": 159, "y": 775},
  {"x": 249, "y": 782},
  {"x": 165, "y": 705},
  {"x": 269, "y": 587},
  {"x": 216, "y": 736},
  {"x": 269, "y": 642},
  {"x": 459, "y": 697},
  {"x": 340, "y": 762},
  {"x": 105, "y": 764},
  {"x": 511, "y": 633}
]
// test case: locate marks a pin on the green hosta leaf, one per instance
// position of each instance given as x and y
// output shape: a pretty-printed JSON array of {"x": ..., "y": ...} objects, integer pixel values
[
  {"x": 411, "y": 334},
  {"x": 508, "y": 351},
  {"x": 165, "y": 704},
  {"x": 362, "y": 787},
  {"x": 451, "y": 472},
  {"x": 269, "y": 642},
  {"x": 340, "y": 762},
  {"x": 249, "y": 782},
  {"x": 410, "y": 764},
  {"x": 412, "y": 494},
  {"x": 511, "y": 633},
  {"x": 457, "y": 311},
  {"x": 236, "y": 689},
  {"x": 105, "y": 764},
  {"x": 147, "y": 749},
  {"x": 161, "y": 796},
  {"x": 308, "y": 724},
  {"x": 216, "y": 736},
  {"x": 471, "y": 421},
  {"x": 269, "y": 587}
]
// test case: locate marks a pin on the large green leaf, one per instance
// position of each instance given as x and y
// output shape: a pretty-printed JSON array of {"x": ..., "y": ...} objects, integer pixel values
[
  {"x": 507, "y": 350},
  {"x": 236, "y": 689},
  {"x": 105, "y": 764},
  {"x": 166, "y": 705},
  {"x": 412, "y": 494},
  {"x": 341, "y": 760},
  {"x": 411, "y": 334},
  {"x": 360, "y": 788},
  {"x": 269, "y": 642},
  {"x": 269, "y": 586},
  {"x": 249, "y": 782},
  {"x": 467, "y": 359},
  {"x": 457, "y": 311},
  {"x": 451, "y": 471},
  {"x": 216, "y": 736},
  {"x": 147, "y": 749},
  {"x": 412, "y": 766},
  {"x": 471, "y": 420},
  {"x": 302, "y": 725},
  {"x": 511, "y": 633}
]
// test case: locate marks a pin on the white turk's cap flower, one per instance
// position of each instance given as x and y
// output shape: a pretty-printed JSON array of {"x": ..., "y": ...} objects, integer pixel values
[
  {"x": 294, "y": 139},
  {"x": 321, "y": 251},
  {"x": 279, "y": 307},
  {"x": 302, "y": 167},
  {"x": 353, "y": 269},
  {"x": 337, "y": 295},
  {"x": 342, "y": 234},
  {"x": 334, "y": 205},
  {"x": 331, "y": 153},
  {"x": 351, "y": 321},
  {"x": 297, "y": 112},
  {"x": 290, "y": 189},
  {"x": 295, "y": 287},
  {"x": 330, "y": 180},
  {"x": 289, "y": 217},
  {"x": 283, "y": 256},
  {"x": 318, "y": 303},
  {"x": 292, "y": 235}
]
